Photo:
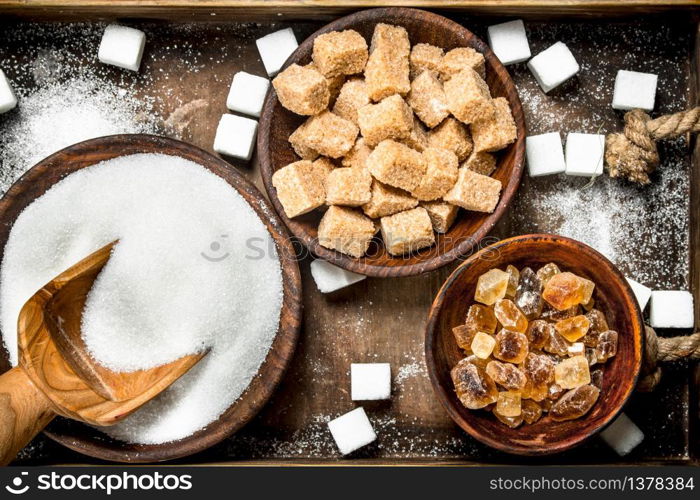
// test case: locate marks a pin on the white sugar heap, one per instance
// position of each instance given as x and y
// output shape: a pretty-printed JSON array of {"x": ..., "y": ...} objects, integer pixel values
[{"x": 181, "y": 279}]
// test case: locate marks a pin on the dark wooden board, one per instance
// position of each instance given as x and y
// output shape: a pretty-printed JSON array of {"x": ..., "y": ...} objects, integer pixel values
[{"x": 383, "y": 320}]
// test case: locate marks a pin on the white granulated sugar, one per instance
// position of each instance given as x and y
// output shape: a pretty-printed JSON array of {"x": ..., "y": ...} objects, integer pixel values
[{"x": 179, "y": 281}]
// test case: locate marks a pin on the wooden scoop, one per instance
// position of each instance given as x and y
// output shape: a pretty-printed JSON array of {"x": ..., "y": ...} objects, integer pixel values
[{"x": 56, "y": 374}]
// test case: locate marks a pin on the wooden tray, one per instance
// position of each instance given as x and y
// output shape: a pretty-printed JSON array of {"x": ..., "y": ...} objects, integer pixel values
[{"x": 383, "y": 320}]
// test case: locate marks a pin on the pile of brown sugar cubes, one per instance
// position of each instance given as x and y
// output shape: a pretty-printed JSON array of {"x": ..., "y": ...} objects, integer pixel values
[{"x": 399, "y": 134}]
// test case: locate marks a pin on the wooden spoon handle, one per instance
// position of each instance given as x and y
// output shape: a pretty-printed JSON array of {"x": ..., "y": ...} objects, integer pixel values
[{"x": 24, "y": 412}]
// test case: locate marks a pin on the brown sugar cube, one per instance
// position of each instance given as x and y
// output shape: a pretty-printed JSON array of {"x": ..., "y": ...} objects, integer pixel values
[
  {"x": 396, "y": 164},
  {"x": 340, "y": 53},
  {"x": 496, "y": 133},
  {"x": 387, "y": 200},
  {"x": 299, "y": 188},
  {"x": 302, "y": 90},
  {"x": 460, "y": 58},
  {"x": 440, "y": 174},
  {"x": 349, "y": 187},
  {"x": 427, "y": 98},
  {"x": 468, "y": 97},
  {"x": 452, "y": 135},
  {"x": 387, "y": 70},
  {"x": 345, "y": 230},
  {"x": 300, "y": 144},
  {"x": 473, "y": 191},
  {"x": 391, "y": 118},
  {"x": 329, "y": 134},
  {"x": 418, "y": 139},
  {"x": 481, "y": 163},
  {"x": 334, "y": 82},
  {"x": 357, "y": 156},
  {"x": 407, "y": 231},
  {"x": 353, "y": 95},
  {"x": 442, "y": 214},
  {"x": 323, "y": 167},
  {"x": 425, "y": 57}
]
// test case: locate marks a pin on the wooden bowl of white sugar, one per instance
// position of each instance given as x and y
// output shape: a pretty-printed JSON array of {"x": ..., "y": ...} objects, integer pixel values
[{"x": 173, "y": 194}]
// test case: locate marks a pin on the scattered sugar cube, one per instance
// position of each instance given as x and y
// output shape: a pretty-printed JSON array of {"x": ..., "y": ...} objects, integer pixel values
[
  {"x": 454, "y": 136},
  {"x": 370, "y": 381},
  {"x": 545, "y": 155},
  {"x": 8, "y": 100},
  {"x": 622, "y": 435},
  {"x": 634, "y": 90},
  {"x": 509, "y": 42},
  {"x": 553, "y": 66},
  {"x": 340, "y": 53},
  {"x": 122, "y": 46},
  {"x": 345, "y": 230},
  {"x": 300, "y": 187},
  {"x": 469, "y": 98},
  {"x": 330, "y": 278},
  {"x": 671, "y": 309},
  {"x": 390, "y": 118},
  {"x": 407, "y": 231},
  {"x": 497, "y": 132},
  {"x": 349, "y": 187},
  {"x": 641, "y": 292},
  {"x": 352, "y": 431},
  {"x": 474, "y": 191},
  {"x": 584, "y": 154},
  {"x": 387, "y": 70},
  {"x": 456, "y": 60},
  {"x": 425, "y": 57},
  {"x": 275, "y": 48},
  {"x": 247, "y": 93},
  {"x": 302, "y": 90},
  {"x": 235, "y": 136},
  {"x": 441, "y": 214}
]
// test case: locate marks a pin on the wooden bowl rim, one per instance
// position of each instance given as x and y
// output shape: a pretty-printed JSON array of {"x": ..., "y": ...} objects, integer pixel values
[
  {"x": 465, "y": 247},
  {"x": 275, "y": 364},
  {"x": 448, "y": 402}
]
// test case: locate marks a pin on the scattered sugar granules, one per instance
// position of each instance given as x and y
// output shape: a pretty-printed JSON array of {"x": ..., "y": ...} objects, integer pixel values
[{"x": 181, "y": 279}]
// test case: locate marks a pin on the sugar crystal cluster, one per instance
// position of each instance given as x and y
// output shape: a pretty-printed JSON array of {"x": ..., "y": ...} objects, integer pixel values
[
  {"x": 402, "y": 137},
  {"x": 535, "y": 346}
]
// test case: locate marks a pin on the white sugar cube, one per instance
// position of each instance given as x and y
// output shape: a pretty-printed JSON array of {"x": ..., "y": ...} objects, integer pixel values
[
  {"x": 584, "y": 154},
  {"x": 235, "y": 136},
  {"x": 671, "y": 309},
  {"x": 370, "y": 381},
  {"x": 352, "y": 431},
  {"x": 8, "y": 100},
  {"x": 553, "y": 66},
  {"x": 509, "y": 42},
  {"x": 275, "y": 48},
  {"x": 622, "y": 435},
  {"x": 122, "y": 46},
  {"x": 634, "y": 90},
  {"x": 330, "y": 278},
  {"x": 247, "y": 93},
  {"x": 641, "y": 292},
  {"x": 545, "y": 154}
]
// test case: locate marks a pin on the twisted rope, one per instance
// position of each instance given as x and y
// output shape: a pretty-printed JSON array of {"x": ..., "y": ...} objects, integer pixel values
[
  {"x": 633, "y": 153},
  {"x": 664, "y": 349}
]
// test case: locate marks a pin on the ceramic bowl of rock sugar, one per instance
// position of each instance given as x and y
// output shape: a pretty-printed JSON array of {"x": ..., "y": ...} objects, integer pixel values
[
  {"x": 185, "y": 220},
  {"x": 612, "y": 295}
]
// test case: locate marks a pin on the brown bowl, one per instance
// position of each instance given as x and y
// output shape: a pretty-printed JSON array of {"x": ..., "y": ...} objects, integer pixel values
[
  {"x": 86, "y": 439},
  {"x": 612, "y": 295},
  {"x": 277, "y": 124}
]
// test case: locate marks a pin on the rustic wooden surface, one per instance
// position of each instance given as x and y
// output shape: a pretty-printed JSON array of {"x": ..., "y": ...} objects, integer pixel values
[{"x": 383, "y": 320}]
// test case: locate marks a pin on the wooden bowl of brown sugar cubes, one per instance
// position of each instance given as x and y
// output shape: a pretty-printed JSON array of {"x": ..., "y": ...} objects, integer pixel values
[
  {"x": 392, "y": 142},
  {"x": 534, "y": 344}
]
